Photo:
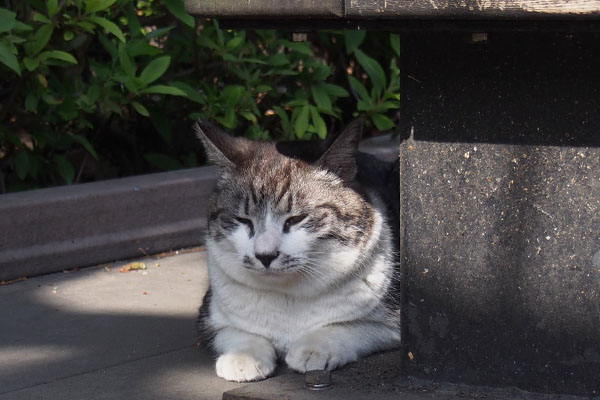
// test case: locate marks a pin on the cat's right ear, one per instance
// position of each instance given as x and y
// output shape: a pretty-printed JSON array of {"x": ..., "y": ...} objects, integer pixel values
[{"x": 221, "y": 148}]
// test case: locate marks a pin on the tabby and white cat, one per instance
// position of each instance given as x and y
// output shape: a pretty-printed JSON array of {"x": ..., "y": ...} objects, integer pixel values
[{"x": 300, "y": 259}]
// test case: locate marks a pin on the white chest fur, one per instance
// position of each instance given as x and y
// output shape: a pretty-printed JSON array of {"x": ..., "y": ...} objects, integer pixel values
[{"x": 282, "y": 318}]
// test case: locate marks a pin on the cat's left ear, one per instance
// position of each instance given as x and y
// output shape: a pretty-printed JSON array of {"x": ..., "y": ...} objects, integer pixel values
[
  {"x": 221, "y": 148},
  {"x": 340, "y": 157}
]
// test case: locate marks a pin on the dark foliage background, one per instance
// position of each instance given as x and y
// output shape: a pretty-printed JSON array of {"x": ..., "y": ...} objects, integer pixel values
[{"x": 95, "y": 89}]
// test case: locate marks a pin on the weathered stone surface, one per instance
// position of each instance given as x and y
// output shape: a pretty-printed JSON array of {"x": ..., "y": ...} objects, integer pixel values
[
  {"x": 500, "y": 200},
  {"x": 499, "y": 246},
  {"x": 48, "y": 230},
  {"x": 376, "y": 377}
]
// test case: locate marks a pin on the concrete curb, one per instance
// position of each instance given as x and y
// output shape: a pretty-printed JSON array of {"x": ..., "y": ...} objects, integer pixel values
[{"x": 52, "y": 229}]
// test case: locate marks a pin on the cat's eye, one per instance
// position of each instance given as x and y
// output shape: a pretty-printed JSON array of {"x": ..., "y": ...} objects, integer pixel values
[
  {"x": 291, "y": 221},
  {"x": 246, "y": 222}
]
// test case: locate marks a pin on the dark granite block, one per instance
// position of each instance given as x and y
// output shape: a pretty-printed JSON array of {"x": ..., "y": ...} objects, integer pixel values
[
  {"x": 499, "y": 248},
  {"x": 500, "y": 199}
]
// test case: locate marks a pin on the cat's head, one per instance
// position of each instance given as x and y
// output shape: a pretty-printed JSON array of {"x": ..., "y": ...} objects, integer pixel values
[{"x": 276, "y": 218}]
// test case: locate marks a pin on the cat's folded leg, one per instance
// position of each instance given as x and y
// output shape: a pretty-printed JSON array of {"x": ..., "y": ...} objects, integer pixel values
[
  {"x": 332, "y": 346},
  {"x": 243, "y": 356}
]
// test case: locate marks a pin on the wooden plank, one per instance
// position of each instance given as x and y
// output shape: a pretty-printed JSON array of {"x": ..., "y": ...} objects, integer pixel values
[
  {"x": 470, "y": 8},
  {"x": 247, "y": 9}
]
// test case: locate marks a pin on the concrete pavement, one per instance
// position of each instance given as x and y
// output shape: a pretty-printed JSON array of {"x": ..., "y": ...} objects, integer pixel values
[{"x": 98, "y": 333}]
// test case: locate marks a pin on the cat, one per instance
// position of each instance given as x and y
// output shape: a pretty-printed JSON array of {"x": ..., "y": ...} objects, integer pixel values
[{"x": 301, "y": 258}]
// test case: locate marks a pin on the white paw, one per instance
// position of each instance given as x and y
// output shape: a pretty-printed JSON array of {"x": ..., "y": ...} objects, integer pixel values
[
  {"x": 242, "y": 367},
  {"x": 305, "y": 356}
]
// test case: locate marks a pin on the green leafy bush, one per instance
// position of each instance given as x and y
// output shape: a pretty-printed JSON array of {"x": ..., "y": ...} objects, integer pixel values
[{"x": 94, "y": 89}]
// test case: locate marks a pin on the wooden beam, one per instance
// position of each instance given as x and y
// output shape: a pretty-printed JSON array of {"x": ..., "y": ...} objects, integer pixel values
[
  {"x": 395, "y": 9},
  {"x": 252, "y": 9},
  {"x": 471, "y": 8}
]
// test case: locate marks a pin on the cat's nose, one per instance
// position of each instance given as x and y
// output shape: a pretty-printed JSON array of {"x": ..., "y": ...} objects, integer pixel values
[{"x": 266, "y": 258}]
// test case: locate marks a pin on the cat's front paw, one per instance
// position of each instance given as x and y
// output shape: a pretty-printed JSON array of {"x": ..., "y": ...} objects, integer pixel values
[
  {"x": 242, "y": 367},
  {"x": 309, "y": 354}
]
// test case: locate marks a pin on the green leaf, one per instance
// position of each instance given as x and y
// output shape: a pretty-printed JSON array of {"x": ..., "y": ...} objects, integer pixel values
[
  {"x": 68, "y": 109},
  {"x": 131, "y": 83},
  {"x": 86, "y": 26},
  {"x": 335, "y": 90},
  {"x": 52, "y": 6},
  {"x": 263, "y": 88},
  {"x": 219, "y": 32},
  {"x": 395, "y": 43},
  {"x": 31, "y": 101},
  {"x": 50, "y": 99},
  {"x": 229, "y": 121},
  {"x": 301, "y": 122},
  {"x": 140, "y": 109},
  {"x": 284, "y": 118},
  {"x": 141, "y": 47},
  {"x": 93, "y": 6},
  {"x": 318, "y": 123},
  {"x": 320, "y": 96},
  {"x": 321, "y": 71},
  {"x": 19, "y": 26},
  {"x": 364, "y": 105},
  {"x": 353, "y": 39},
  {"x": 298, "y": 47},
  {"x": 190, "y": 92},
  {"x": 133, "y": 22},
  {"x": 159, "y": 32},
  {"x": 232, "y": 95},
  {"x": 296, "y": 103},
  {"x": 39, "y": 17},
  {"x": 155, "y": 69},
  {"x": 82, "y": 140},
  {"x": 65, "y": 168},
  {"x": 176, "y": 7},
  {"x": 40, "y": 40},
  {"x": 125, "y": 61},
  {"x": 93, "y": 93},
  {"x": 21, "y": 164},
  {"x": 7, "y": 20},
  {"x": 163, "y": 161},
  {"x": 236, "y": 41},
  {"x": 68, "y": 36},
  {"x": 58, "y": 55},
  {"x": 382, "y": 122},
  {"x": 108, "y": 45},
  {"x": 278, "y": 60},
  {"x": 9, "y": 59},
  {"x": 359, "y": 88},
  {"x": 373, "y": 69},
  {"x": 164, "y": 89},
  {"x": 253, "y": 61},
  {"x": 110, "y": 27},
  {"x": 249, "y": 116}
]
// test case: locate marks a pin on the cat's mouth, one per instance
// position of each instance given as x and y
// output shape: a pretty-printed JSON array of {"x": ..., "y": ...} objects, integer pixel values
[{"x": 276, "y": 271}]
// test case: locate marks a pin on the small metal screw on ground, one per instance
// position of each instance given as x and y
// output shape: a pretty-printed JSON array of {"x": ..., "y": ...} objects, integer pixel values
[{"x": 318, "y": 379}]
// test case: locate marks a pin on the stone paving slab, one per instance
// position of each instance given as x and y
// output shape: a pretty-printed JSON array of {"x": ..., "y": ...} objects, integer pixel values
[
  {"x": 98, "y": 333},
  {"x": 379, "y": 377}
]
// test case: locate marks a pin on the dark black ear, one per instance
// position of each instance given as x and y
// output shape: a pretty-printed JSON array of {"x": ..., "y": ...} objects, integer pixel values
[
  {"x": 340, "y": 157},
  {"x": 221, "y": 148}
]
